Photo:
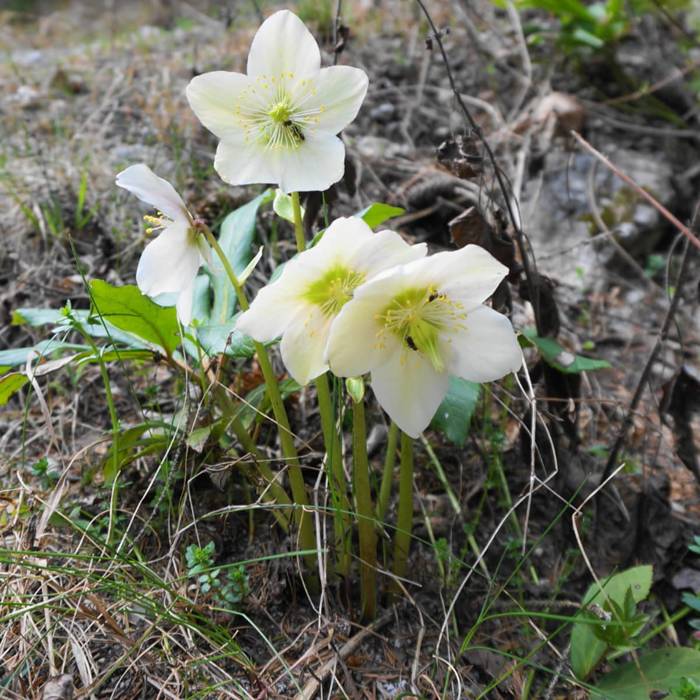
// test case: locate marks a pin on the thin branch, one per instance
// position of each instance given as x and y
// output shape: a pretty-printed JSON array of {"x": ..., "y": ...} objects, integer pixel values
[
  {"x": 500, "y": 177},
  {"x": 644, "y": 376},
  {"x": 639, "y": 190}
]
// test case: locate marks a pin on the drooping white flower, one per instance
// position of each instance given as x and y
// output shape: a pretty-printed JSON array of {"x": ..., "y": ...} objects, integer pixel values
[
  {"x": 417, "y": 324},
  {"x": 278, "y": 124},
  {"x": 169, "y": 263},
  {"x": 315, "y": 285}
]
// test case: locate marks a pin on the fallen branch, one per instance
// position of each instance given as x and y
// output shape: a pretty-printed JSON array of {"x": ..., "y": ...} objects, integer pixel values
[
  {"x": 639, "y": 190},
  {"x": 313, "y": 685}
]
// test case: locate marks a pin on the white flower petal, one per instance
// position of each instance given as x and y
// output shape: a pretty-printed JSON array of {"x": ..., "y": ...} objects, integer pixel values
[
  {"x": 283, "y": 44},
  {"x": 141, "y": 181},
  {"x": 314, "y": 166},
  {"x": 184, "y": 304},
  {"x": 409, "y": 390},
  {"x": 340, "y": 91},
  {"x": 169, "y": 263},
  {"x": 348, "y": 236},
  {"x": 470, "y": 273},
  {"x": 304, "y": 343},
  {"x": 484, "y": 350},
  {"x": 274, "y": 307},
  {"x": 214, "y": 96},
  {"x": 247, "y": 163},
  {"x": 385, "y": 250}
]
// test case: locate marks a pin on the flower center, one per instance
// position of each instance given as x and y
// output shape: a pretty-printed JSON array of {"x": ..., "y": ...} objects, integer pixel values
[
  {"x": 418, "y": 317},
  {"x": 274, "y": 111},
  {"x": 334, "y": 289}
]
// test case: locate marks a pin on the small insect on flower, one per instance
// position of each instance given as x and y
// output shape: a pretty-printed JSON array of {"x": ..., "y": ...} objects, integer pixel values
[
  {"x": 279, "y": 123},
  {"x": 417, "y": 324},
  {"x": 169, "y": 263},
  {"x": 315, "y": 285}
]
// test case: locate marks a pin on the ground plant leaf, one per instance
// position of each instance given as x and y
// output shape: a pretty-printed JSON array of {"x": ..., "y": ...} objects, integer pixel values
[
  {"x": 10, "y": 384},
  {"x": 454, "y": 414},
  {"x": 586, "y": 649},
  {"x": 661, "y": 670},
  {"x": 378, "y": 212},
  {"x": 16, "y": 357},
  {"x": 560, "y": 358},
  {"x": 129, "y": 310}
]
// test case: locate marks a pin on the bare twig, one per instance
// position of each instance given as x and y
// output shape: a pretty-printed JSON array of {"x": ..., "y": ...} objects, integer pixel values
[
  {"x": 313, "y": 685},
  {"x": 520, "y": 238},
  {"x": 639, "y": 190}
]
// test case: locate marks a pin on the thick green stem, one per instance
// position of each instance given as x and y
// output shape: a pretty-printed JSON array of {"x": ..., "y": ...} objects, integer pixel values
[
  {"x": 404, "y": 520},
  {"x": 336, "y": 477},
  {"x": 298, "y": 224},
  {"x": 388, "y": 471},
  {"x": 365, "y": 513},
  {"x": 307, "y": 539}
]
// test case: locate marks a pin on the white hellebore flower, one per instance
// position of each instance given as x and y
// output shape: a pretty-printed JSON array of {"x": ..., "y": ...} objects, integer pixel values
[
  {"x": 169, "y": 263},
  {"x": 315, "y": 285},
  {"x": 414, "y": 326},
  {"x": 278, "y": 124}
]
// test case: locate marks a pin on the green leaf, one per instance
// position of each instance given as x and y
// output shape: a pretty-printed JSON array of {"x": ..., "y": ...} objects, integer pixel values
[
  {"x": 377, "y": 213},
  {"x": 583, "y": 36},
  {"x": 283, "y": 207},
  {"x": 556, "y": 356},
  {"x": 661, "y": 670},
  {"x": 455, "y": 412},
  {"x": 223, "y": 338},
  {"x": 36, "y": 317},
  {"x": 129, "y": 310},
  {"x": 10, "y": 384},
  {"x": 586, "y": 649},
  {"x": 17, "y": 357},
  {"x": 236, "y": 240},
  {"x": 356, "y": 388}
]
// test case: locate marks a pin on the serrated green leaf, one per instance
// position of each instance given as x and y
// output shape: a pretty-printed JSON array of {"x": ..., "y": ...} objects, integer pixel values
[
  {"x": 455, "y": 412},
  {"x": 10, "y": 384},
  {"x": 129, "y": 310},
  {"x": 378, "y": 212},
  {"x": 662, "y": 670},
  {"x": 586, "y": 649},
  {"x": 560, "y": 358}
]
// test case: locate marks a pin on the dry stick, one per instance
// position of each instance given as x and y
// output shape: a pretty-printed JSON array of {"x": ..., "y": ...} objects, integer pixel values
[
  {"x": 500, "y": 179},
  {"x": 661, "y": 338},
  {"x": 313, "y": 686},
  {"x": 639, "y": 190}
]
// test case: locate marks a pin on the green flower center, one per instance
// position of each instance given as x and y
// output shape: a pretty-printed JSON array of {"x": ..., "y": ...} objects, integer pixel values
[
  {"x": 280, "y": 112},
  {"x": 274, "y": 111},
  {"x": 418, "y": 317},
  {"x": 334, "y": 289}
]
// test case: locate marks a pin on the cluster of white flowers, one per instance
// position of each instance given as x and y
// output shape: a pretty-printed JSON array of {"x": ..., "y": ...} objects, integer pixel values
[{"x": 357, "y": 302}]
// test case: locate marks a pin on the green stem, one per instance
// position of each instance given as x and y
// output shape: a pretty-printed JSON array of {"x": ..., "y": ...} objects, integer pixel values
[
  {"x": 336, "y": 477},
  {"x": 365, "y": 513},
  {"x": 388, "y": 471},
  {"x": 404, "y": 520},
  {"x": 272, "y": 484},
  {"x": 298, "y": 224},
  {"x": 116, "y": 429},
  {"x": 307, "y": 539}
]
